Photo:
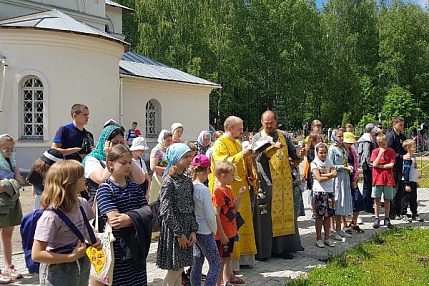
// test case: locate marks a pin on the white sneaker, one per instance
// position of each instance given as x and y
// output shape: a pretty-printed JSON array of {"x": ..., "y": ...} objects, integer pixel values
[{"x": 320, "y": 244}]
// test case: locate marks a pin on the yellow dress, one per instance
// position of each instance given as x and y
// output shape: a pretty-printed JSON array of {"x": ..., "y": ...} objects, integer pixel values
[{"x": 227, "y": 149}]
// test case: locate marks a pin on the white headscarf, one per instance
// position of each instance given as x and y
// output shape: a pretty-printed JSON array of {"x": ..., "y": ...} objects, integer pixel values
[
  {"x": 319, "y": 163},
  {"x": 161, "y": 136},
  {"x": 201, "y": 138}
]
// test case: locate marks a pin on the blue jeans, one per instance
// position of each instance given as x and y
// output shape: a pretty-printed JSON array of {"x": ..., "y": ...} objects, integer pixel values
[{"x": 205, "y": 248}]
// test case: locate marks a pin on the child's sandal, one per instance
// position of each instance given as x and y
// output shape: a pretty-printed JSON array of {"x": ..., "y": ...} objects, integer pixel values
[{"x": 236, "y": 280}]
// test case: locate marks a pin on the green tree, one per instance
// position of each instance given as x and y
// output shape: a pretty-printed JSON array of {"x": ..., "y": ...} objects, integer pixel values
[
  {"x": 404, "y": 49},
  {"x": 399, "y": 102}
]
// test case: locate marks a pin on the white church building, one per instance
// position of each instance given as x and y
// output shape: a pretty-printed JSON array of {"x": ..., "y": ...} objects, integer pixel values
[{"x": 55, "y": 53}]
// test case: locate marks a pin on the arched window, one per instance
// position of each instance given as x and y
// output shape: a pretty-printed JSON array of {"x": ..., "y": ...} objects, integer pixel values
[
  {"x": 32, "y": 108},
  {"x": 153, "y": 118}
]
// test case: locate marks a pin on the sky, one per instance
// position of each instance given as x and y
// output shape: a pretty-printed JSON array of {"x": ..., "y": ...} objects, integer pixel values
[{"x": 319, "y": 3}]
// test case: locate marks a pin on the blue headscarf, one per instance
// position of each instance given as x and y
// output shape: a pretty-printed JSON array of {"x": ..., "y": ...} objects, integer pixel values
[
  {"x": 174, "y": 153},
  {"x": 98, "y": 151}
]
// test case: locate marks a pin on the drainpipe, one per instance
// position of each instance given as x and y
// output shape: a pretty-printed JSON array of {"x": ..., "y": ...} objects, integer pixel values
[
  {"x": 121, "y": 101},
  {"x": 3, "y": 62}
]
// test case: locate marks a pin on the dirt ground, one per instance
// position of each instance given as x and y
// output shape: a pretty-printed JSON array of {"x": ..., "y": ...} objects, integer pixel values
[{"x": 27, "y": 203}]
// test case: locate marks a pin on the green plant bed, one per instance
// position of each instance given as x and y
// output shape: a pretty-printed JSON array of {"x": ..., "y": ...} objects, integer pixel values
[{"x": 396, "y": 257}]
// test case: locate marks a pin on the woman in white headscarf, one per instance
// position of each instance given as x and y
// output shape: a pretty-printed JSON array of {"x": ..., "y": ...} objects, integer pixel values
[
  {"x": 177, "y": 132},
  {"x": 203, "y": 142},
  {"x": 158, "y": 162}
]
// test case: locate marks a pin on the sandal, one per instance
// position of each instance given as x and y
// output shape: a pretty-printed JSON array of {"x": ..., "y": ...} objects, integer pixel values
[
  {"x": 358, "y": 229},
  {"x": 236, "y": 280}
]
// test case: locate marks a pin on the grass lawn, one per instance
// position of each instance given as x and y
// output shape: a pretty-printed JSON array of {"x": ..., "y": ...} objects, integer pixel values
[{"x": 396, "y": 257}]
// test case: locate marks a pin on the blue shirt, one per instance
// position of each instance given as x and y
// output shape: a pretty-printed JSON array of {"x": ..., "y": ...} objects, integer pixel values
[{"x": 69, "y": 136}]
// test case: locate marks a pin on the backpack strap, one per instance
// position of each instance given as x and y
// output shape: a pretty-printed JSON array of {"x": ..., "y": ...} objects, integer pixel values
[{"x": 74, "y": 229}]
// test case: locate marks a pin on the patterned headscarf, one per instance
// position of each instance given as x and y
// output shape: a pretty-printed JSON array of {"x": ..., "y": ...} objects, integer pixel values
[
  {"x": 174, "y": 153},
  {"x": 98, "y": 151},
  {"x": 200, "y": 139}
]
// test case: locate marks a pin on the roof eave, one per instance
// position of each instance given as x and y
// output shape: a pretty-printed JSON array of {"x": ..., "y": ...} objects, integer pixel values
[
  {"x": 123, "y": 43},
  {"x": 214, "y": 86}
]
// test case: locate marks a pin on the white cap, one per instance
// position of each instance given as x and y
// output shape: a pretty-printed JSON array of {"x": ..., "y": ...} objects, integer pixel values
[{"x": 139, "y": 143}]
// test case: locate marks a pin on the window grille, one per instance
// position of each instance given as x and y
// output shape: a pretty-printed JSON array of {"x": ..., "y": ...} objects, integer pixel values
[
  {"x": 32, "y": 109},
  {"x": 152, "y": 119}
]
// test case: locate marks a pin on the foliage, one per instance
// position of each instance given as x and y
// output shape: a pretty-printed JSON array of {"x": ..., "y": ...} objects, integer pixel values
[
  {"x": 399, "y": 102},
  {"x": 400, "y": 255},
  {"x": 338, "y": 62},
  {"x": 367, "y": 118}
]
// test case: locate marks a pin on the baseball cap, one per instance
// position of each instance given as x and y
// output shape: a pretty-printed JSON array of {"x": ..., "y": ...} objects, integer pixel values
[
  {"x": 51, "y": 156},
  {"x": 139, "y": 143},
  {"x": 201, "y": 161}
]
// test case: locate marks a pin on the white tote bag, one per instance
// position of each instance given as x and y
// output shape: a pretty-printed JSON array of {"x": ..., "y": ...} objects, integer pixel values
[{"x": 102, "y": 261}]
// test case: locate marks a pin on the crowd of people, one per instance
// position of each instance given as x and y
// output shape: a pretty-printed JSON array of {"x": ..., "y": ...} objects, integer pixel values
[{"x": 227, "y": 200}]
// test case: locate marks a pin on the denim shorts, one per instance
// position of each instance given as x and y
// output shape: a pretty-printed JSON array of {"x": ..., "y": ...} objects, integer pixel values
[{"x": 65, "y": 274}]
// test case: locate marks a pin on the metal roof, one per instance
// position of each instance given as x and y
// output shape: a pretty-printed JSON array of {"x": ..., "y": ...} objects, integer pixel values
[
  {"x": 124, "y": 8},
  {"x": 137, "y": 65},
  {"x": 56, "y": 20}
]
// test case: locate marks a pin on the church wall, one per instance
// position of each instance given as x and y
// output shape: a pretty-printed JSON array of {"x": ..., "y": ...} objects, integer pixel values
[
  {"x": 73, "y": 69},
  {"x": 184, "y": 103}
]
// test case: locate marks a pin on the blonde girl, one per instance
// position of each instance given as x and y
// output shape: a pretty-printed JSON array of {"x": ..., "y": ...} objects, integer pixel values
[
  {"x": 61, "y": 254},
  {"x": 118, "y": 199},
  {"x": 10, "y": 182},
  {"x": 177, "y": 212}
]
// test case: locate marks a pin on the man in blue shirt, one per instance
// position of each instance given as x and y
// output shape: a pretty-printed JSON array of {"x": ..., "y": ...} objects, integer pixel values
[{"x": 72, "y": 140}]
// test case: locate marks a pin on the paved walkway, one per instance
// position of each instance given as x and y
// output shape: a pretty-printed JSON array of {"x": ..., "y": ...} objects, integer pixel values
[{"x": 275, "y": 271}]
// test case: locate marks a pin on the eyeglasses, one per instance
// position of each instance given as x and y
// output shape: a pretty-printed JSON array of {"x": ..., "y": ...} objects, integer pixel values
[{"x": 8, "y": 150}]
